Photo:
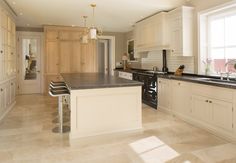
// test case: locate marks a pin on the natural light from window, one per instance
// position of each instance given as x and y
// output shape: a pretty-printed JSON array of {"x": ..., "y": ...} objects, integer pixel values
[
  {"x": 218, "y": 52},
  {"x": 153, "y": 150}
]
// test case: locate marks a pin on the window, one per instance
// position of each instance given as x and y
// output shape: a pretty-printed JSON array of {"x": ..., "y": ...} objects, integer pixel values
[{"x": 218, "y": 52}]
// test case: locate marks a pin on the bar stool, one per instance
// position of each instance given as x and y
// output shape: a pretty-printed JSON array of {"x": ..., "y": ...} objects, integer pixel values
[{"x": 59, "y": 89}]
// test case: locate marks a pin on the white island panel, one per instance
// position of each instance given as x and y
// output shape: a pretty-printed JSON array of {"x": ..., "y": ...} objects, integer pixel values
[{"x": 105, "y": 111}]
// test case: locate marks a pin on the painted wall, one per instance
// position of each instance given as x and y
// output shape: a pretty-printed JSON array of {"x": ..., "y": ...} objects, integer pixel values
[{"x": 201, "y": 5}]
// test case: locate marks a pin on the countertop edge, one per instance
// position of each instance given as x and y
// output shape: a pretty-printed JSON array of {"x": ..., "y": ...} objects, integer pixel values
[{"x": 230, "y": 86}]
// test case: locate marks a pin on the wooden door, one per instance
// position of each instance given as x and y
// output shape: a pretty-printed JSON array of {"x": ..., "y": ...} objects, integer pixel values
[
  {"x": 52, "y": 57},
  {"x": 65, "y": 56},
  {"x": 89, "y": 57},
  {"x": 76, "y": 57},
  {"x": 52, "y": 35}
]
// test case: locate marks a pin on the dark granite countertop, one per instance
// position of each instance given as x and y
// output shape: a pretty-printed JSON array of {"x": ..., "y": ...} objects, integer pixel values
[
  {"x": 194, "y": 78},
  {"x": 201, "y": 79},
  {"x": 96, "y": 80}
]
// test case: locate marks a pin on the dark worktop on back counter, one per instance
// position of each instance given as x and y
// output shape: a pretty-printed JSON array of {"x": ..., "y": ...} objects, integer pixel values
[
  {"x": 194, "y": 78},
  {"x": 76, "y": 81}
]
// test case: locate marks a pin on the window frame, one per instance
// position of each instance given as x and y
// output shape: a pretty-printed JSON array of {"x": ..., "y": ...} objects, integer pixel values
[{"x": 204, "y": 36}]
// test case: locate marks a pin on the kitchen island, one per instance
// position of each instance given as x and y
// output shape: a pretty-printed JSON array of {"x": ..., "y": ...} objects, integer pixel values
[{"x": 103, "y": 104}]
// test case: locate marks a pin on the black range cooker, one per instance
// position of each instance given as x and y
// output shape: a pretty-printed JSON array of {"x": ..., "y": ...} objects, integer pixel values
[{"x": 149, "y": 89}]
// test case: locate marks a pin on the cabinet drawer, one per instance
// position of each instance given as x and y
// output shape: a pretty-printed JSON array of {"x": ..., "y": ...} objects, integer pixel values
[{"x": 213, "y": 92}]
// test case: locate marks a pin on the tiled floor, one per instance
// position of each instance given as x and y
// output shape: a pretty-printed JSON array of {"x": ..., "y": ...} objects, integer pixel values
[{"x": 26, "y": 137}]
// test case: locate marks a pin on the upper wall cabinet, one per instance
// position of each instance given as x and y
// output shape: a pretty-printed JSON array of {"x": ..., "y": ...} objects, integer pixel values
[
  {"x": 181, "y": 31},
  {"x": 151, "y": 33}
]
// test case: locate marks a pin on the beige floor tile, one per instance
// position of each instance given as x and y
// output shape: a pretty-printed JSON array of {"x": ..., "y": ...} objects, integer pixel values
[
  {"x": 26, "y": 136},
  {"x": 217, "y": 154}
]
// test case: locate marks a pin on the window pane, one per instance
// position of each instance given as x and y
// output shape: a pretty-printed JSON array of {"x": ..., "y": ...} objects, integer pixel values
[
  {"x": 219, "y": 65},
  {"x": 217, "y": 53},
  {"x": 217, "y": 33},
  {"x": 230, "y": 32},
  {"x": 230, "y": 53}
]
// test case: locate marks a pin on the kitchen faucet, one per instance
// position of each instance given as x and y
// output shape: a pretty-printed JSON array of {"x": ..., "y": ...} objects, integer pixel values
[{"x": 226, "y": 64}]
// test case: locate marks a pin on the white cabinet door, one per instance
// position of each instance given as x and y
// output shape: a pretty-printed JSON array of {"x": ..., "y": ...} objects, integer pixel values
[
  {"x": 8, "y": 93},
  {"x": 2, "y": 100},
  {"x": 181, "y": 97},
  {"x": 164, "y": 94},
  {"x": 176, "y": 37},
  {"x": 151, "y": 33},
  {"x": 13, "y": 91},
  {"x": 222, "y": 114},
  {"x": 181, "y": 31},
  {"x": 201, "y": 109}
]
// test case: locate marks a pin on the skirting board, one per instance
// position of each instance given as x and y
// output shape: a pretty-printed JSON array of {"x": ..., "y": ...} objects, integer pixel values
[
  {"x": 7, "y": 110},
  {"x": 134, "y": 130}
]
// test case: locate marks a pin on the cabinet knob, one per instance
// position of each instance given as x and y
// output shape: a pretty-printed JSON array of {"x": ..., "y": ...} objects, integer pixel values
[
  {"x": 210, "y": 101},
  {"x": 178, "y": 83},
  {"x": 1, "y": 89},
  {"x": 1, "y": 51},
  {"x": 206, "y": 101}
]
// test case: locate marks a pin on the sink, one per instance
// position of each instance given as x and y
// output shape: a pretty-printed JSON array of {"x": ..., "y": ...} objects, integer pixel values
[
  {"x": 155, "y": 72},
  {"x": 218, "y": 80}
]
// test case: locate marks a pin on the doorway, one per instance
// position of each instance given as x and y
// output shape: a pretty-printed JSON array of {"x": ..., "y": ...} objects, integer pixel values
[
  {"x": 29, "y": 48},
  {"x": 106, "y": 54},
  {"x": 103, "y": 56}
]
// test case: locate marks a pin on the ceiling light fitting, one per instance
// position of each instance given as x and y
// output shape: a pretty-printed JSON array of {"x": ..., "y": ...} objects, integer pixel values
[
  {"x": 93, "y": 30},
  {"x": 84, "y": 38}
]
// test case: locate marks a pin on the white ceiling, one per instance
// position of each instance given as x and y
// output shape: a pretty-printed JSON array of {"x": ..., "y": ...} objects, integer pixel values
[{"x": 111, "y": 15}]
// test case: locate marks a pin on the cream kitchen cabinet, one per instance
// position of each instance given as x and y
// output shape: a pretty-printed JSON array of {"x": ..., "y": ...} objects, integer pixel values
[
  {"x": 222, "y": 114},
  {"x": 181, "y": 31},
  {"x": 2, "y": 100},
  {"x": 151, "y": 33},
  {"x": 201, "y": 108},
  {"x": 209, "y": 107},
  {"x": 214, "y": 112},
  {"x": 164, "y": 94},
  {"x": 7, "y": 96},
  {"x": 181, "y": 97},
  {"x": 7, "y": 61},
  {"x": 12, "y": 91}
]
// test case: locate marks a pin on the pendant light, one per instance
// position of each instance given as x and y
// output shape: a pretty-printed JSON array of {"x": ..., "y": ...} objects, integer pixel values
[
  {"x": 84, "y": 38},
  {"x": 93, "y": 29}
]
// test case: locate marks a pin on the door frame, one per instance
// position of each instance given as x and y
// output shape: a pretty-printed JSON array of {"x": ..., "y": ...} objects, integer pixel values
[
  {"x": 112, "y": 50},
  {"x": 106, "y": 55},
  {"x": 18, "y": 47}
]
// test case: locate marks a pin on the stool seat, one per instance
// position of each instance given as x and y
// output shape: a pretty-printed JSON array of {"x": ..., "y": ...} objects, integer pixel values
[
  {"x": 59, "y": 93},
  {"x": 59, "y": 89},
  {"x": 57, "y": 86}
]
